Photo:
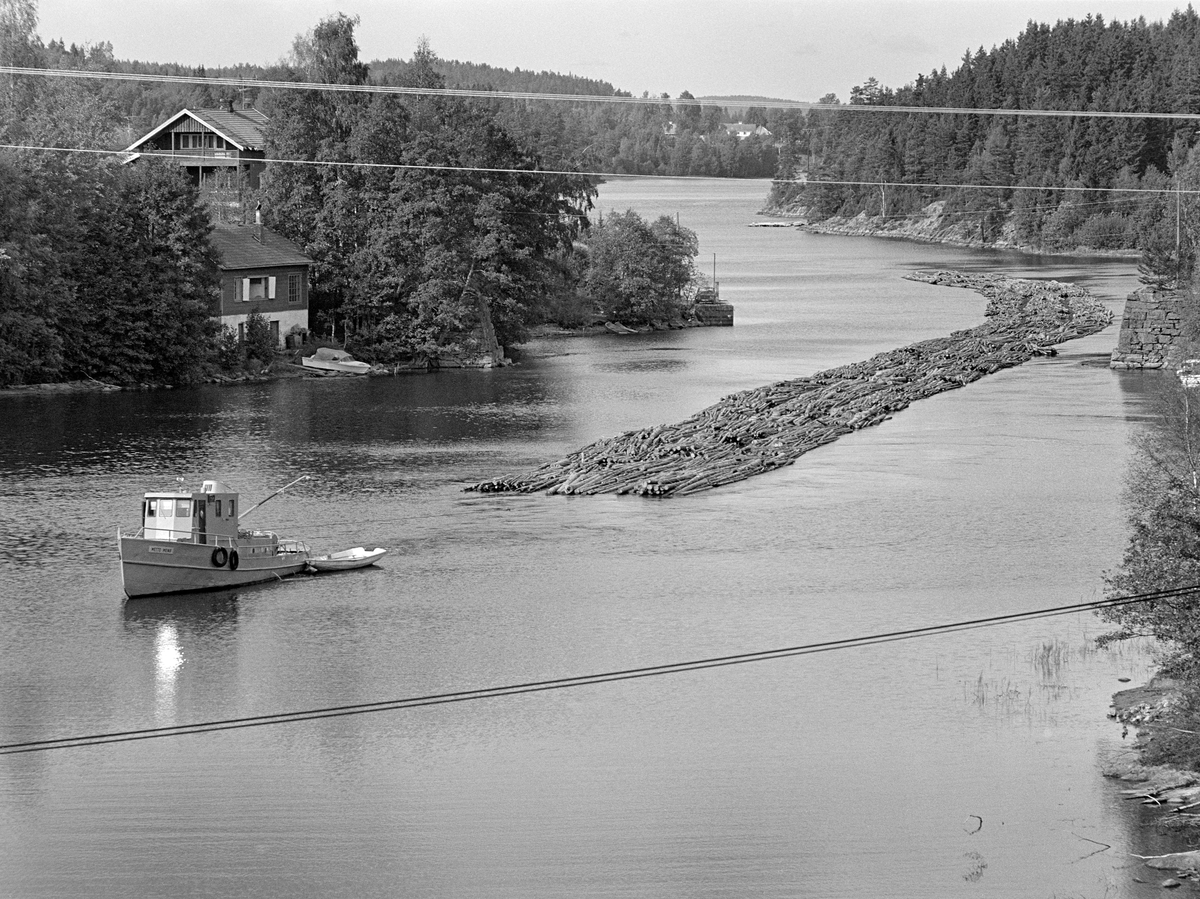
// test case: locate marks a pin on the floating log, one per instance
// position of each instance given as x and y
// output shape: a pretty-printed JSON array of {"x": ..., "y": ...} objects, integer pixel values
[{"x": 768, "y": 427}]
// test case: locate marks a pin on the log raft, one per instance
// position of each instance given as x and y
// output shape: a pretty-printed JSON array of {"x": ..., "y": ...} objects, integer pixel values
[{"x": 766, "y": 428}]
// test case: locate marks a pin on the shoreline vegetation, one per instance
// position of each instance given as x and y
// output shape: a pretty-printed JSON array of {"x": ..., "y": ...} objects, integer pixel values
[
  {"x": 931, "y": 225},
  {"x": 766, "y": 428},
  {"x": 287, "y": 365}
]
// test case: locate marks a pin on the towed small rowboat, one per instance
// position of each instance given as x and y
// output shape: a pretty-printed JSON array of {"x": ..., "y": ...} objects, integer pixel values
[{"x": 346, "y": 559}]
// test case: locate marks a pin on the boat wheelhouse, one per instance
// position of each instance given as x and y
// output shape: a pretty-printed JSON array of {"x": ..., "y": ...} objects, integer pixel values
[{"x": 193, "y": 541}]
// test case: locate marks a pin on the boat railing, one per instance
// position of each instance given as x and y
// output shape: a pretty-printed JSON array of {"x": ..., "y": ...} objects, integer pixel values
[
  {"x": 179, "y": 536},
  {"x": 291, "y": 546}
]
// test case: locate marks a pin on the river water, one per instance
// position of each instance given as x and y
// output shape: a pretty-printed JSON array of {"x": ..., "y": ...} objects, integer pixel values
[{"x": 960, "y": 765}]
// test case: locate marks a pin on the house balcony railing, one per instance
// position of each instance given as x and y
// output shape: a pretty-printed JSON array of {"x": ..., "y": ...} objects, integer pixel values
[{"x": 201, "y": 154}]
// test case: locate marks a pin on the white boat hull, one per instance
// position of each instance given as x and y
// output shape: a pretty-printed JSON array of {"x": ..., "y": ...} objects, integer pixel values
[
  {"x": 345, "y": 368},
  {"x": 347, "y": 559},
  {"x": 155, "y": 567}
]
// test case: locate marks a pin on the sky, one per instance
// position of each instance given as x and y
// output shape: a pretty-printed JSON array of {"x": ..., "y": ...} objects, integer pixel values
[{"x": 787, "y": 49}]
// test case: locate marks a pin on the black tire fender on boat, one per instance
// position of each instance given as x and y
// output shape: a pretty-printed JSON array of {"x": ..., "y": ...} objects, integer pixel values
[
  {"x": 219, "y": 555},
  {"x": 233, "y": 560}
]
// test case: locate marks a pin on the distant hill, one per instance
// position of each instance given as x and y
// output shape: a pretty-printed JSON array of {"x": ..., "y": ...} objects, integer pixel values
[
  {"x": 743, "y": 101},
  {"x": 661, "y": 138},
  {"x": 472, "y": 75}
]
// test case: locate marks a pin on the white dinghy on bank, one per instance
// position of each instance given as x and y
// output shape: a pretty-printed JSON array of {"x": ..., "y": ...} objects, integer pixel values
[{"x": 334, "y": 361}]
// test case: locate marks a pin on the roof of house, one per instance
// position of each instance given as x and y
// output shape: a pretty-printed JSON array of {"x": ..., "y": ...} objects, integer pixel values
[
  {"x": 244, "y": 128},
  {"x": 251, "y": 246},
  {"x": 744, "y": 128}
]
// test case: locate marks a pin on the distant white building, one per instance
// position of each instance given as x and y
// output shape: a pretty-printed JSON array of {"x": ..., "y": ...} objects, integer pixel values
[{"x": 741, "y": 130}]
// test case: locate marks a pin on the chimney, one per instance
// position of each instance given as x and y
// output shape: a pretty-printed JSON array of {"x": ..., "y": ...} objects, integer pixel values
[
  {"x": 258, "y": 222},
  {"x": 229, "y": 104}
]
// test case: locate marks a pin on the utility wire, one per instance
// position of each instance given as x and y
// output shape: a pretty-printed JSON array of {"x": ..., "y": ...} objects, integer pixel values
[
  {"x": 581, "y": 98},
  {"x": 806, "y": 182},
  {"x": 581, "y": 680}
]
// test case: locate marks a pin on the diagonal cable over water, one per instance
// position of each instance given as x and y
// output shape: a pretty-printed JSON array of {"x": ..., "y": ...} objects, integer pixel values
[
  {"x": 562, "y": 683},
  {"x": 766, "y": 428}
]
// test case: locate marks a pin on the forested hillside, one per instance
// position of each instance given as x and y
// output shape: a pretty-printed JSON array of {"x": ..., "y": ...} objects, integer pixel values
[
  {"x": 1027, "y": 175},
  {"x": 677, "y": 137}
]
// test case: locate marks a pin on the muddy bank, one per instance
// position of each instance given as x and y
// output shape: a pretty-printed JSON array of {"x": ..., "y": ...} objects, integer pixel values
[{"x": 769, "y": 427}]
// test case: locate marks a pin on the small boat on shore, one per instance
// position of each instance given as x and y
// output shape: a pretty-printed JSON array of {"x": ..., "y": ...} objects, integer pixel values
[
  {"x": 192, "y": 540},
  {"x": 1189, "y": 373},
  {"x": 618, "y": 328},
  {"x": 347, "y": 559},
  {"x": 327, "y": 359}
]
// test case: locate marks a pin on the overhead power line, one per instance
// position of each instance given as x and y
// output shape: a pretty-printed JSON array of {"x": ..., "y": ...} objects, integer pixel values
[
  {"x": 350, "y": 164},
  {"x": 799, "y": 105},
  {"x": 586, "y": 680}
]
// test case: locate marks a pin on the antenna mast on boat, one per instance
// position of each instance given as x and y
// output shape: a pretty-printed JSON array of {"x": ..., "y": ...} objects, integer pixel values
[{"x": 303, "y": 477}]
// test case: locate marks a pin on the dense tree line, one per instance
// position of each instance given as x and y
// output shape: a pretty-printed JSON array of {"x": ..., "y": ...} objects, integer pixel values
[
  {"x": 1163, "y": 554},
  {"x": 435, "y": 231},
  {"x": 425, "y": 241},
  {"x": 106, "y": 273},
  {"x": 465, "y": 245},
  {"x": 640, "y": 272},
  {"x": 681, "y": 137},
  {"x": 1037, "y": 170}
]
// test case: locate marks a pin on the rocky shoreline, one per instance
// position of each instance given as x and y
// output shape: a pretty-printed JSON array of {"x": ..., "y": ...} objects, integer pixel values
[
  {"x": 930, "y": 225},
  {"x": 1170, "y": 795},
  {"x": 767, "y": 428}
]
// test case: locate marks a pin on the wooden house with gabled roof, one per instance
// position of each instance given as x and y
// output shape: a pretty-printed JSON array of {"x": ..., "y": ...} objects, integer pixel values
[
  {"x": 262, "y": 272},
  {"x": 217, "y": 147}
]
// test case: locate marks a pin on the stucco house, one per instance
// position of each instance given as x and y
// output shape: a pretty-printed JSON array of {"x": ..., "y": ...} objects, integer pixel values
[{"x": 263, "y": 272}]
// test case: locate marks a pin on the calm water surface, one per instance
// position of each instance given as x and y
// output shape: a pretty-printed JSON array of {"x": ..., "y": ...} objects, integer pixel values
[{"x": 857, "y": 773}]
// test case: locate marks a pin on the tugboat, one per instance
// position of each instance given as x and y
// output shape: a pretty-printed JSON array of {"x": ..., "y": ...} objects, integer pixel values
[{"x": 193, "y": 541}]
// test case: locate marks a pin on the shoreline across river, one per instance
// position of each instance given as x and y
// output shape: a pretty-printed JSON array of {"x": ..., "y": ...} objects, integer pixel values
[{"x": 766, "y": 428}]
